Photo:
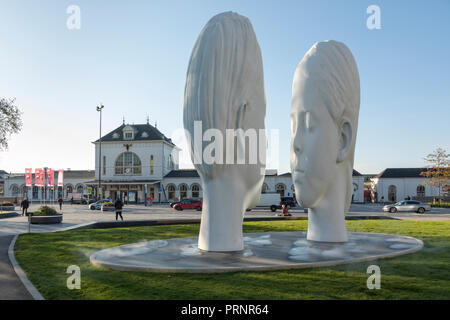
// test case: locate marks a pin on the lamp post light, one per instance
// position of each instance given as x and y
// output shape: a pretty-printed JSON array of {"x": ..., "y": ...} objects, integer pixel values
[{"x": 99, "y": 109}]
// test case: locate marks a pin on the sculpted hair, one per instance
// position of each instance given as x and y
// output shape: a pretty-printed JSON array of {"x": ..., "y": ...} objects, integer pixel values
[
  {"x": 225, "y": 81},
  {"x": 331, "y": 68}
]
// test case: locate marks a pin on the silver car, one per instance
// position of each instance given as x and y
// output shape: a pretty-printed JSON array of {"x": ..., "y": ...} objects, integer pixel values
[
  {"x": 97, "y": 205},
  {"x": 407, "y": 205}
]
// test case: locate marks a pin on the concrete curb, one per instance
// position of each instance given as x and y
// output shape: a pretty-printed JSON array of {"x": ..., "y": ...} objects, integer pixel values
[
  {"x": 8, "y": 215},
  {"x": 21, "y": 274},
  {"x": 161, "y": 222}
]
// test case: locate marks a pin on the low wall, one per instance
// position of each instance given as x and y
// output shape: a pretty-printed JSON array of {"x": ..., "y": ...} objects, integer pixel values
[
  {"x": 7, "y": 208},
  {"x": 47, "y": 219}
]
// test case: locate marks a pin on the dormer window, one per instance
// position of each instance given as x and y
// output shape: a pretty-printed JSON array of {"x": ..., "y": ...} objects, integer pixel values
[
  {"x": 115, "y": 136},
  {"x": 128, "y": 132}
]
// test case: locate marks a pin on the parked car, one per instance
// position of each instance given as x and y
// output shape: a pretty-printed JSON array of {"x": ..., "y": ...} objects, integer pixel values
[
  {"x": 188, "y": 204},
  {"x": 86, "y": 200},
  {"x": 173, "y": 203},
  {"x": 407, "y": 205},
  {"x": 288, "y": 201},
  {"x": 97, "y": 205}
]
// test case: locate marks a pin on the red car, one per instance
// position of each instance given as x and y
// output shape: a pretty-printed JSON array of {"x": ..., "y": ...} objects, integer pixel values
[{"x": 188, "y": 204}]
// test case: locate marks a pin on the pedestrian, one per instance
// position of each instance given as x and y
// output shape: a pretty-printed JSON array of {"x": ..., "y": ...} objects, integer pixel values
[
  {"x": 285, "y": 211},
  {"x": 24, "y": 205},
  {"x": 382, "y": 199},
  {"x": 60, "y": 201},
  {"x": 71, "y": 200},
  {"x": 118, "y": 205}
]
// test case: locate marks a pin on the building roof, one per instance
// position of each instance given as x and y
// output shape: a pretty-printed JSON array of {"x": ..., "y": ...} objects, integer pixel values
[
  {"x": 401, "y": 173},
  {"x": 183, "y": 173},
  {"x": 74, "y": 174},
  {"x": 109, "y": 182},
  {"x": 142, "y": 132},
  {"x": 288, "y": 174}
]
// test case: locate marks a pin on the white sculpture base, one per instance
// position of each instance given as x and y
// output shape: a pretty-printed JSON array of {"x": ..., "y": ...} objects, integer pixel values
[{"x": 263, "y": 251}]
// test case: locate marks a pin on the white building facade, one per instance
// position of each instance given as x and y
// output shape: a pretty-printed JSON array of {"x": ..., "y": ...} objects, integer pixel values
[{"x": 396, "y": 184}]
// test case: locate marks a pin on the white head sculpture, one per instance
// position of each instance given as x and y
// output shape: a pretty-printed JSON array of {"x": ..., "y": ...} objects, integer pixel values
[
  {"x": 225, "y": 90},
  {"x": 324, "y": 121}
]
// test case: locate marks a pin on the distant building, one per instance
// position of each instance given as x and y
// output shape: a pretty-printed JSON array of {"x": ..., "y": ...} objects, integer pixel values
[{"x": 395, "y": 184}]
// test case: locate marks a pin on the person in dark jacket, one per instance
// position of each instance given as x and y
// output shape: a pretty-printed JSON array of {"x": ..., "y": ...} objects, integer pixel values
[
  {"x": 60, "y": 201},
  {"x": 118, "y": 205},
  {"x": 25, "y": 204}
]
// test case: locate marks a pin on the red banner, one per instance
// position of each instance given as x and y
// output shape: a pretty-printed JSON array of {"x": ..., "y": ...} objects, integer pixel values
[
  {"x": 50, "y": 177},
  {"x": 60, "y": 178},
  {"x": 39, "y": 177},
  {"x": 28, "y": 177}
]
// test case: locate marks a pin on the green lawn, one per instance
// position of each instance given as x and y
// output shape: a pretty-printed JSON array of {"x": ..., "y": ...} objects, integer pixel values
[{"x": 422, "y": 275}]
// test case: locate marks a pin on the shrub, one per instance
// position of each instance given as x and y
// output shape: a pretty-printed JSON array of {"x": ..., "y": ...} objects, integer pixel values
[
  {"x": 46, "y": 211},
  {"x": 7, "y": 204}
]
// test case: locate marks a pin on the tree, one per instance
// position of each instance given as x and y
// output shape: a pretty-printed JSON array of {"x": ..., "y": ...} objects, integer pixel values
[
  {"x": 438, "y": 169},
  {"x": 10, "y": 121}
]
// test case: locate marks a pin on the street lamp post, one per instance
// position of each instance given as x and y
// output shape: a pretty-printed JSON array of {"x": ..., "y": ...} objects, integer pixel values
[{"x": 99, "y": 109}]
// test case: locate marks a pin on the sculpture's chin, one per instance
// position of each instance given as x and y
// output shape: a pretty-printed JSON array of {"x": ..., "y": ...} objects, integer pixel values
[{"x": 306, "y": 198}]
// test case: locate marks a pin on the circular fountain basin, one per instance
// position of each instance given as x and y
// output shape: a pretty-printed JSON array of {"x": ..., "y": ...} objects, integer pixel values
[{"x": 263, "y": 251}]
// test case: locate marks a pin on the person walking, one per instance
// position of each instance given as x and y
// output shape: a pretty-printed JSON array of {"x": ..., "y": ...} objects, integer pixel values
[
  {"x": 60, "y": 201},
  {"x": 285, "y": 211},
  {"x": 25, "y": 204},
  {"x": 118, "y": 205}
]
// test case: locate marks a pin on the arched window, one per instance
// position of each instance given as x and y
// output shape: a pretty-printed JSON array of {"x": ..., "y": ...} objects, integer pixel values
[
  {"x": 183, "y": 190},
  {"x": 24, "y": 191},
  {"x": 195, "y": 191},
  {"x": 264, "y": 188},
  {"x": 392, "y": 193},
  {"x": 420, "y": 190},
  {"x": 171, "y": 192},
  {"x": 69, "y": 189},
  {"x": 280, "y": 188},
  {"x": 80, "y": 189},
  {"x": 35, "y": 192},
  {"x": 15, "y": 191},
  {"x": 151, "y": 165},
  {"x": 128, "y": 163}
]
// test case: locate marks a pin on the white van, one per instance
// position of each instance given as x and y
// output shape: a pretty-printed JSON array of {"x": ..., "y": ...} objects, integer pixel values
[{"x": 269, "y": 201}]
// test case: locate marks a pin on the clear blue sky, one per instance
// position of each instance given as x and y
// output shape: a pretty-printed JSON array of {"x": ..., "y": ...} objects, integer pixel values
[{"x": 132, "y": 56}]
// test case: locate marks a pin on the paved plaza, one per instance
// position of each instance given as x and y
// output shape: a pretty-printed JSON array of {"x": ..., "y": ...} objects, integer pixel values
[{"x": 80, "y": 214}]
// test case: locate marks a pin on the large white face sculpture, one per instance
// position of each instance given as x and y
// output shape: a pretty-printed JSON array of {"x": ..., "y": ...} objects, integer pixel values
[
  {"x": 324, "y": 121},
  {"x": 225, "y": 90}
]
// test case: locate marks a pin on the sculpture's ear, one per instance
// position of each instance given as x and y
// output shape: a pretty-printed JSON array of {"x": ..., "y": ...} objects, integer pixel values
[{"x": 345, "y": 139}]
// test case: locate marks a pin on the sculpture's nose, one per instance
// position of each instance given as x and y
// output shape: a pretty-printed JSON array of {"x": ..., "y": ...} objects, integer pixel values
[{"x": 297, "y": 145}]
